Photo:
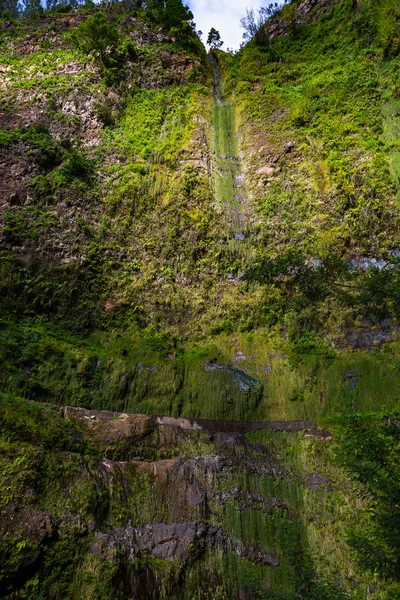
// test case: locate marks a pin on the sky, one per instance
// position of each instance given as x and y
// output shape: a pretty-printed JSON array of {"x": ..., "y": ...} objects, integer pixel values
[{"x": 224, "y": 16}]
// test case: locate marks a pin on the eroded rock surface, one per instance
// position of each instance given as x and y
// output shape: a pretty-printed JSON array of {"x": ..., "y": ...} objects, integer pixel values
[{"x": 175, "y": 541}]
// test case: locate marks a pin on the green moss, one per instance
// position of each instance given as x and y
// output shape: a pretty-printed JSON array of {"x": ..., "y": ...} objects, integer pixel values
[{"x": 117, "y": 296}]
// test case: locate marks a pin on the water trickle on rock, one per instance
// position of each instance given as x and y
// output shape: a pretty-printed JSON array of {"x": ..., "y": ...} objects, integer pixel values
[{"x": 226, "y": 168}]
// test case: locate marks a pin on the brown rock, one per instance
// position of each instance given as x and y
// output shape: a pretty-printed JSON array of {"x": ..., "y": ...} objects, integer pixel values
[
  {"x": 318, "y": 434},
  {"x": 269, "y": 170}
]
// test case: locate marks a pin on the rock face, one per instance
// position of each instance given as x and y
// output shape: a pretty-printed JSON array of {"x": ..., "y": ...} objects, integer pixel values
[
  {"x": 35, "y": 524},
  {"x": 307, "y": 11},
  {"x": 16, "y": 171},
  {"x": 172, "y": 542},
  {"x": 30, "y": 529},
  {"x": 148, "y": 498},
  {"x": 268, "y": 170},
  {"x": 122, "y": 425},
  {"x": 208, "y": 248}
]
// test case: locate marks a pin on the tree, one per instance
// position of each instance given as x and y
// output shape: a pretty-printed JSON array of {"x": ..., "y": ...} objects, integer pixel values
[
  {"x": 254, "y": 22},
  {"x": 62, "y": 6},
  {"x": 32, "y": 8},
  {"x": 179, "y": 21},
  {"x": 214, "y": 39},
  {"x": 96, "y": 36},
  {"x": 182, "y": 33},
  {"x": 176, "y": 13},
  {"x": 9, "y": 6},
  {"x": 51, "y": 4}
]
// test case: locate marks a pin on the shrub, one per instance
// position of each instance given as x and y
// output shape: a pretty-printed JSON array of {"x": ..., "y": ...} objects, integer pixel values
[
  {"x": 128, "y": 47},
  {"x": 62, "y": 8},
  {"x": 77, "y": 166}
]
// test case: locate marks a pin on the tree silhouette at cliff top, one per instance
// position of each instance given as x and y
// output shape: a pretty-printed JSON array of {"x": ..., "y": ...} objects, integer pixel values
[
  {"x": 214, "y": 39},
  {"x": 179, "y": 21}
]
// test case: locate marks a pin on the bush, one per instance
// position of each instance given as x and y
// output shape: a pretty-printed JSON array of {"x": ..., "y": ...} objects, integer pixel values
[
  {"x": 369, "y": 449},
  {"x": 62, "y": 8},
  {"x": 128, "y": 48},
  {"x": 77, "y": 166}
]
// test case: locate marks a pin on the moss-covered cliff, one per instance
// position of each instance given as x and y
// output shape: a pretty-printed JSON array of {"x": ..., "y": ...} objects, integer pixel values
[
  {"x": 211, "y": 237},
  {"x": 107, "y": 505}
]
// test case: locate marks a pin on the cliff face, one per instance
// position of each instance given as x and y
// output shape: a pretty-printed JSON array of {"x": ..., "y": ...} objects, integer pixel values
[
  {"x": 153, "y": 220},
  {"x": 213, "y": 239},
  {"x": 297, "y": 14},
  {"x": 105, "y": 505}
]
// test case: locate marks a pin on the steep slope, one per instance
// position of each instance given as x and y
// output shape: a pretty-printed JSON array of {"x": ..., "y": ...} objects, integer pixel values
[
  {"x": 215, "y": 238},
  {"x": 107, "y": 505},
  {"x": 118, "y": 244}
]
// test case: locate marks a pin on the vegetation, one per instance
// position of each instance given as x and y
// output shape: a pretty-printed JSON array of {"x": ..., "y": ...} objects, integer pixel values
[
  {"x": 369, "y": 449},
  {"x": 254, "y": 23},
  {"x": 96, "y": 35},
  {"x": 196, "y": 236},
  {"x": 214, "y": 39}
]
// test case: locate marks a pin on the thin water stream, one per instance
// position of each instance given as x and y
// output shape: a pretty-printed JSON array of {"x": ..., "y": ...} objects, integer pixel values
[{"x": 228, "y": 180}]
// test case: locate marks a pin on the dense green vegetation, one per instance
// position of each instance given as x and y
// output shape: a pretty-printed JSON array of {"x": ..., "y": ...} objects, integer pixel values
[
  {"x": 131, "y": 232},
  {"x": 211, "y": 237},
  {"x": 53, "y": 465},
  {"x": 333, "y": 199},
  {"x": 64, "y": 467}
]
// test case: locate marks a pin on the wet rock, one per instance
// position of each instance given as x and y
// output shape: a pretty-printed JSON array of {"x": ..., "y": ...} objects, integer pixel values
[
  {"x": 228, "y": 440},
  {"x": 173, "y": 542},
  {"x": 195, "y": 494},
  {"x": 187, "y": 467},
  {"x": 108, "y": 427},
  {"x": 167, "y": 542},
  {"x": 351, "y": 379},
  {"x": 314, "y": 262},
  {"x": 35, "y": 524},
  {"x": 289, "y": 146},
  {"x": 170, "y": 427},
  {"x": 104, "y": 547},
  {"x": 367, "y": 262},
  {"x": 158, "y": 468},
  {"x": 316, "y": 482},
  {"x": 17, "y": 167},
  {"x": 245, "y": 382},
  {"x": 30, "y": 527},
  {"x": 249, "y": 500},
  {"x": 239, "y": 357},
  {"x": 367, "y": 338}
]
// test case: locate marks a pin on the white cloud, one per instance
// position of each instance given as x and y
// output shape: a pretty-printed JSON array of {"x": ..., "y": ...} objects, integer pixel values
[{"x": 224, "y": 15}]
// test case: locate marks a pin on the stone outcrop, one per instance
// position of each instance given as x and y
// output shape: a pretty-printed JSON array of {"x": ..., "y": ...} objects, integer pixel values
[
  {"x": 123, "y": 424},
  {"x": 173, "y": 542},
  {"x": 307, "y": 11}
]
